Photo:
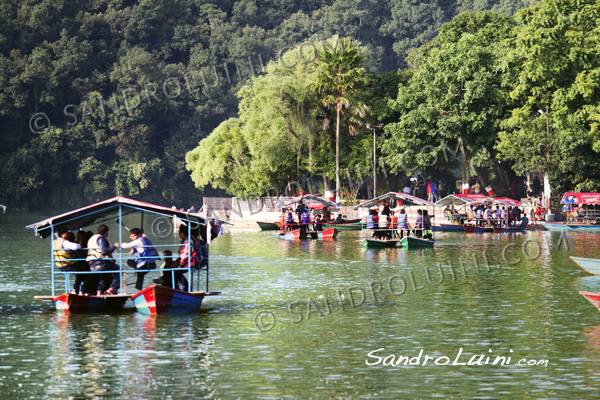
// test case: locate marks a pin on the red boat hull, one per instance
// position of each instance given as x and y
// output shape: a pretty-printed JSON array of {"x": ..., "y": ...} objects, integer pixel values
[
  {"x": 157, "y": 299},
  {"x": 593, "y": 297},
  {"x": 324, "y": 234},
  {"x": 74, "y": 303}
]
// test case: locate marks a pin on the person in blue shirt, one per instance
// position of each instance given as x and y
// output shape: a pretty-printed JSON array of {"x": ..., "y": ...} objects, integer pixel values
[{"x": 145, "y": 255}]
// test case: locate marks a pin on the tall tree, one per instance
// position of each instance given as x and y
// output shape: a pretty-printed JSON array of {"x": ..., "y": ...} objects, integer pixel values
[
  {"x": 557, "y": 65},
  {"x": 341, "y": 82},
  {"x": 455, "y": 93}
]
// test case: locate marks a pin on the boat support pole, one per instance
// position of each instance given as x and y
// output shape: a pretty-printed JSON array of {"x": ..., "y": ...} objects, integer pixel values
[
  {"x": 191, "y": 284},
  {"x": 123, "y": 287},
  {"x": 52, "y": 257}
]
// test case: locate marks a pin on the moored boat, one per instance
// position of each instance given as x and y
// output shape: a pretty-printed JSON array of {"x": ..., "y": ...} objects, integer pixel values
[
  {"x": 477, "y": 229},
  {"x": 452, "y": 227},
  {"x": 415, "y": 242},
  {"x": 299, "y": 235},
  {"x": 268, "y": 226},
  {"x": 380, "y": 243},
  {"x": 591, "y": 265},
  {"x": 593, "y": 297}
]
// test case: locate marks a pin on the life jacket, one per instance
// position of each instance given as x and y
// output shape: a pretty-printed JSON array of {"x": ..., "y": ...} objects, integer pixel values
[
  {"x": 94, "y": 252},
  {"x": 384, "y": 222},
  {"x": 479, "y": 213},
  {"x": 149, "y": 254},
  {"x": 489, "y": 213},
  {"x": 289, "y": 217},
  {"x": 194, "y": 255},
  {"x": 61, "y": 255},
  {"x": 402, "y": 221},
  {"x": 394, "y": 222},
  {"x": 498, "y": 213},
  {"x": 371, "y": 223},
  {"x": 305, "y": 219}
]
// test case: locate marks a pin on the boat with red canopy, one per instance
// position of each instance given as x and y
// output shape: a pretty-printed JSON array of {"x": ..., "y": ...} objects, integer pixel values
[
  {"x": 313, "y": 230},
  {"x": 456, "y": 218},
  {"x": 582, "y": 218},
  {"x": 154, "y": 299}
]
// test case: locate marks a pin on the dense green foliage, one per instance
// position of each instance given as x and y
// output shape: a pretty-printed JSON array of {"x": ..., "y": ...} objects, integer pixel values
[
  {"x": 483, "y": 80},
  {"x": 57, "y": 53}
]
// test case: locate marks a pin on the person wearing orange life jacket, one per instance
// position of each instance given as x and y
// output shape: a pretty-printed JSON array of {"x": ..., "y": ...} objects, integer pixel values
[
  {"x": 100, "y": 259},
  {"x": 65, "y": 257}
]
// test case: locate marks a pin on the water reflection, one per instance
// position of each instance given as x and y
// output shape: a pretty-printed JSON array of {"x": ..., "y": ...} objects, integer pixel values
[{"x": 127, "y": 356}]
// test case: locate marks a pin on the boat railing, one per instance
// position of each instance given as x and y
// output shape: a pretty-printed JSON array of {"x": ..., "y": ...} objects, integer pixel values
[{"x": 201, "y": 266}]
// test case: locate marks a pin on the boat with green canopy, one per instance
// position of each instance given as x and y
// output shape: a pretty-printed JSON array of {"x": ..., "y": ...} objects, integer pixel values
[{"x": 401, "y": 237}]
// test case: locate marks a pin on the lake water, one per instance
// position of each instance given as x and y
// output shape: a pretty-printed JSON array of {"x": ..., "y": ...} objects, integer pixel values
[{"x": 318, "y": 348}]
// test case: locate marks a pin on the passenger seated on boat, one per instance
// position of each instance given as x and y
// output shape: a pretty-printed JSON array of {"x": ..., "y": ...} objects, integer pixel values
[
  {"x": 383, "y": 224},
  {"x": 419, "y": 224},
  {"x": 318, "y": 224},
  {"x": 372, "y": 222},
  {"x": 65, "y": 256},
  {"x": 427, "y": 232},
  {"x": 448, "y": 214},
  {"x": 185, "y": 257},
  {"x": 145, "y": 256},
  {"x": 403, "y": 223},
  {"x": 393, "y": 221},
  {"x": 100, "y": 259},
  {"x": 524, "y": 222},
  {"x": 479, "y": 216},
  {"x": 289, "y": 220},
  {"x": 166, "y": 279}
]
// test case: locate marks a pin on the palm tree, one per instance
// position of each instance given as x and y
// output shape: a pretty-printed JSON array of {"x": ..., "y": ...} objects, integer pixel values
[{"x": 341, "y": 81}]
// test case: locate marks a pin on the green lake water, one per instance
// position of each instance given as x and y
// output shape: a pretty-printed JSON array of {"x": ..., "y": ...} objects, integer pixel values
[{"x": 317, "y": 348}]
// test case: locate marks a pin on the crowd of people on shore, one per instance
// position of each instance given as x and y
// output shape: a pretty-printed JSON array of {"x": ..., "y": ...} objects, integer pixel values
[{"x": 89, "y": 252}]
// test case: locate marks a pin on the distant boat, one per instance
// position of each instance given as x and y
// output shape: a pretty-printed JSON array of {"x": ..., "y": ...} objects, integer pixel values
[
  {"x": 380, "y": 243},
  {"x": 452, "y": 227},
  {"x": 504, "y": 229},
  {"x": 558, "y": 226},
  {"x": 415, "y": 242},
  {"x": 268, "y": 226},
  {"x": 297, "y": 234},
  {"x": 593, "y": 298},
  {"x": 591, "y": 265},
  {"x": 347, "y": 224},
  {"x": 477, "y": 229}
]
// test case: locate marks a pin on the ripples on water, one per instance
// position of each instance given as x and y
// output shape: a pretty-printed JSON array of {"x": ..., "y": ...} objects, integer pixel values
[{"x": 532, "y": 308}]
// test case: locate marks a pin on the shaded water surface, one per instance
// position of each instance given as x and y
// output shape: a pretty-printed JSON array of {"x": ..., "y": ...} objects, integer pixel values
[{"x": 298, "y": 319}]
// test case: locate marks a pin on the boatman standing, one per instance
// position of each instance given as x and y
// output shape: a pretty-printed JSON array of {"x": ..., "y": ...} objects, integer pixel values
[
  {"x": 100, "y": 259},
  {"x": 145, "y": 256}
]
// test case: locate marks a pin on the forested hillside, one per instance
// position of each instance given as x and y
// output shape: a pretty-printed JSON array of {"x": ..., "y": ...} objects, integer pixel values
[{"x": 105, "y": 97}]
